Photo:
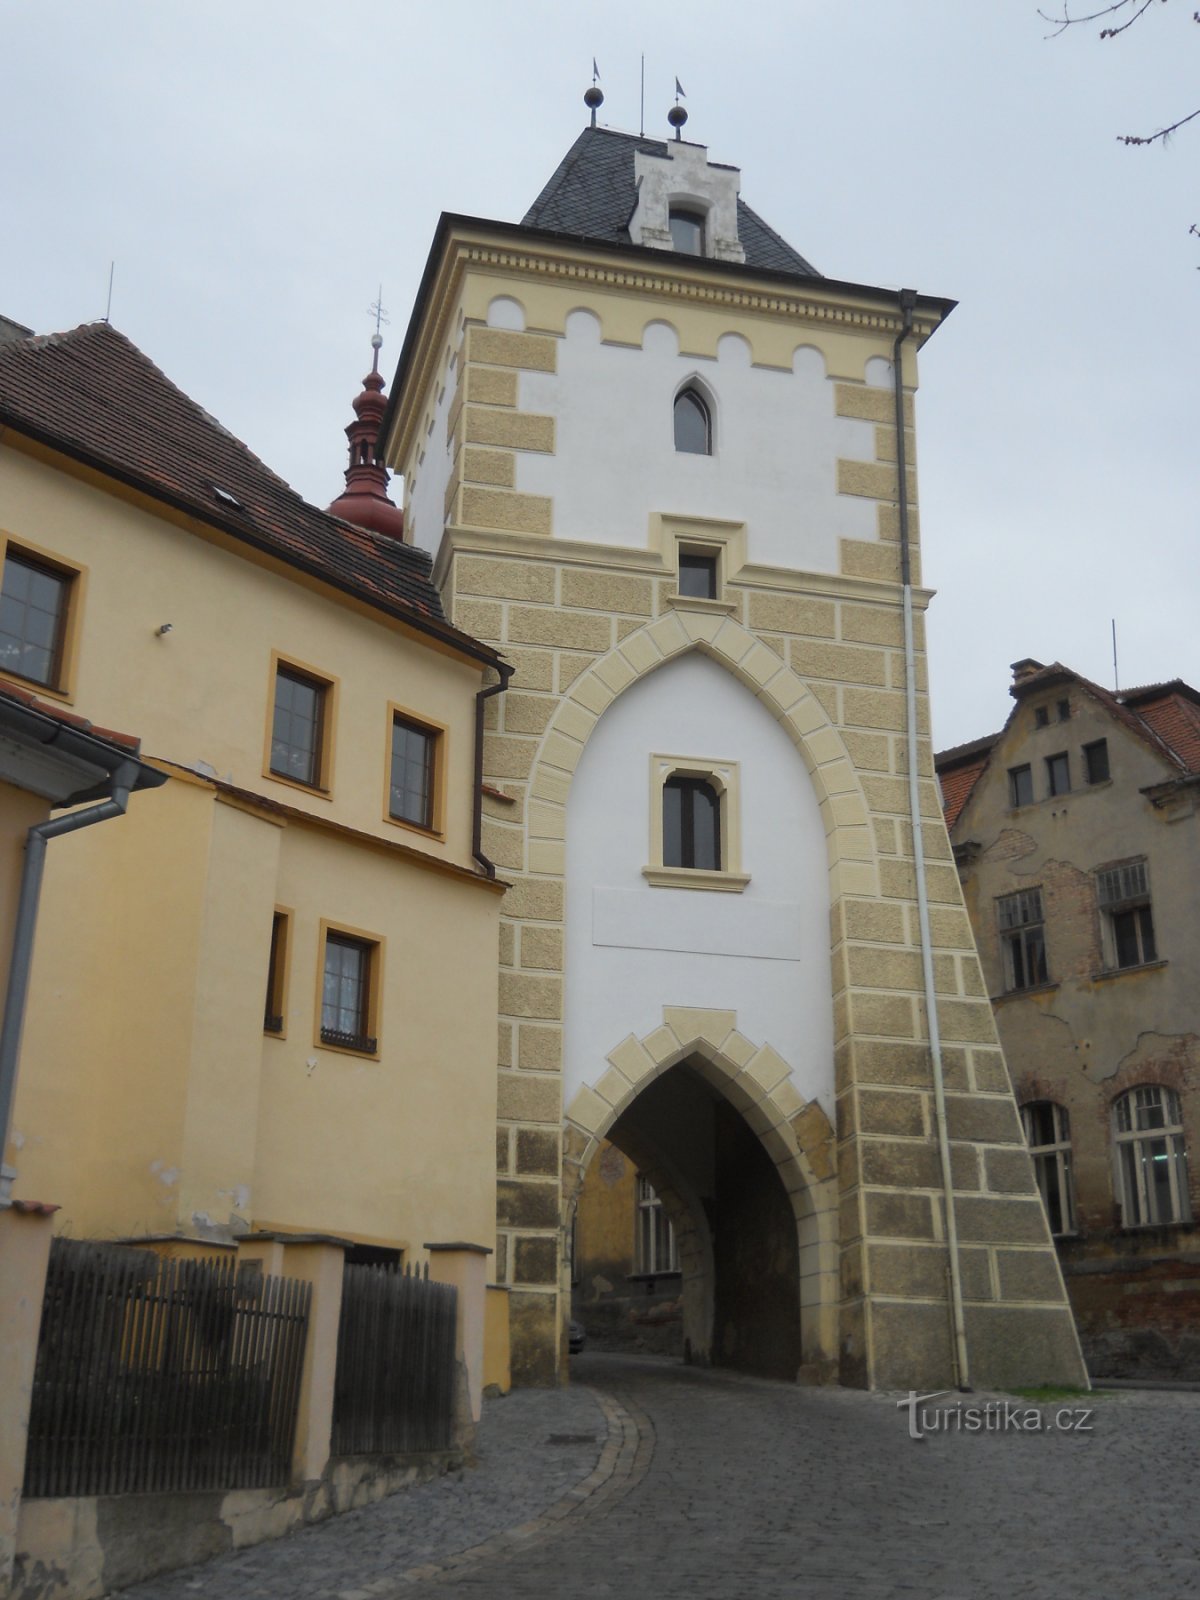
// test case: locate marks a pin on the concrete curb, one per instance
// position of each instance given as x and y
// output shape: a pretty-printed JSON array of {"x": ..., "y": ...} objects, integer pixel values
[{"x": 623, "y": 1462}]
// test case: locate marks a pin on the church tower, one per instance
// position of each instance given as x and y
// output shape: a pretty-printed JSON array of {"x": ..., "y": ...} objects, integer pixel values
[{"x": 655, "y": 457}]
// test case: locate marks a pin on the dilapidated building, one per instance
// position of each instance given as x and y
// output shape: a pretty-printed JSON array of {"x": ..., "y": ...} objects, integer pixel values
[{"x": 1075, "y": 833}]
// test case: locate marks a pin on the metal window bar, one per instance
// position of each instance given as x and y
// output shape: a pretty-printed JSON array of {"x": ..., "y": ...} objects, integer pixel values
[{"x": 156, "y": 1375}]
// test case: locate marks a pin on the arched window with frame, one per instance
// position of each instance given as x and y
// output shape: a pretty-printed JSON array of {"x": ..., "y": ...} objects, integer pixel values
[
  {"x": 687, "y": 225},
  {"x": 691, "y": 824},
  {"x": 1048, "y": 1135},
  {"x": 693, "y": 423},
  {"x": 1151, "y": 1153}
]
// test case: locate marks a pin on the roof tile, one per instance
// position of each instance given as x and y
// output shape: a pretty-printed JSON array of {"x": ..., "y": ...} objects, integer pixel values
[{"x": 93, "y": 394}]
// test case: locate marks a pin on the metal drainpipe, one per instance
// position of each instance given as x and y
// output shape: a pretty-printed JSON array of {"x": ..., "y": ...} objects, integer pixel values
[
  {"x": 907, "y": 302},
  {"x": 23, "y": 934},
  {"x": 506, "y": 672}
]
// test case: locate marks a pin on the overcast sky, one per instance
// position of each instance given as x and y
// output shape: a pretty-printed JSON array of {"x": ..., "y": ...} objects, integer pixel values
[{"x": 257, "y": 169}]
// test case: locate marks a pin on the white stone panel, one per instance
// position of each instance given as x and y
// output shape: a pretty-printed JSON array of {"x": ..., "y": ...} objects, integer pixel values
[
  {"x": 631, "y": 948},
  {"x": 774, "y": 466},
  {"x": 425, "y": 498}
]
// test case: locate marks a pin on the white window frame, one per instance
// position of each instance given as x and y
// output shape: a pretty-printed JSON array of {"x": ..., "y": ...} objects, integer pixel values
[
  {"x": 1052, "y": 1164},
  {"x": 651, "y": 1259},
  {"x": 1125, "y": 887},
  {"x": 1144, "y": 1116},
  {"x": 1018, "y": 915}
]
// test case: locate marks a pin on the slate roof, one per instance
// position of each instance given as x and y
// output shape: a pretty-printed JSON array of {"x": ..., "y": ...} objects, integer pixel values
[
  {"x": 92, "y": 394},
  {"x": 1166, "y": 716},
  {"x": 593, "y": 191}
]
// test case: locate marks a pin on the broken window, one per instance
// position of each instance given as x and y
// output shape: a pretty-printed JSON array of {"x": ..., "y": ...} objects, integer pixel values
[
  {"x": 1124, "y": 895},
  {"x": 1151, "y": 1157},
  {"x": 1048, "y": 1135},
  {"x": 1023, "y": 937}
]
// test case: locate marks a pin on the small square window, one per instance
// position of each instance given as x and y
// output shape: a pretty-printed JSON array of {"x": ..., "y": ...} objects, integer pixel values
[
  {"x": 1042, "y": 716},
  {"x": 35, "y": 601},
  {"x": 1058, "y": 774},
  {"x": 275, "y": 1009},
  {"x": 697, "y": 575},
  {"x": 413, "y": 775},
  {"x": 687, "y": 230},
  {"x": 1064, "y": 710},
  {"x": 1095, "y": 761},
  {"x": 1020, "y": 786},
  {"x": 299, "y": 727},
  {"x": 349, "y": 992}
]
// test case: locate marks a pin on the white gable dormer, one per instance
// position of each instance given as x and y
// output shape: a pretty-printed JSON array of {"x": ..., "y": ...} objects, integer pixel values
[{"x": 685, "y": 183}]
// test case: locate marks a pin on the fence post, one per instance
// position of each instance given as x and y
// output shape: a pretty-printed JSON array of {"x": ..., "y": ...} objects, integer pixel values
[
  {"x": 318, "y": 1261},
  {"x": 465, "y": 1266},
  {"x": 25, "y": 1232}
]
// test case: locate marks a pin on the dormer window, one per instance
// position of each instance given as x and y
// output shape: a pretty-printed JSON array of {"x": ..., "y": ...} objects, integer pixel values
[
  {"x": 693, "y": 424},
  {"x": 687, "y": 230}
]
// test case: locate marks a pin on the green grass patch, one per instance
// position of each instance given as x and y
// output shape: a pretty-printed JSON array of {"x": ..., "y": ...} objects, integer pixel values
[{"x": 1048, "y": 1392}]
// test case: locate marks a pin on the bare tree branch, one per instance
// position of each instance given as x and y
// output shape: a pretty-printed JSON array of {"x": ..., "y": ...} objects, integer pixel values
[
  {"x": 1061, "y": 24},
  {"x": 1163, "y": 133}
]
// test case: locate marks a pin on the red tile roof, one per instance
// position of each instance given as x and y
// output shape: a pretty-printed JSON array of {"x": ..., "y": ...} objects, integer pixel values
[
  {"x": 23, "y": 697},
  {"x": 92, "y": 394},
  {"x": 1166, "y": 716},
  {"x": 1175, "y": 718},
  {"x": 958, "y": 770}
]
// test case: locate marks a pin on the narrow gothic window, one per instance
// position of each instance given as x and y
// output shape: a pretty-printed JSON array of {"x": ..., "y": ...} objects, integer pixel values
[{"x": 693, "y": 425}]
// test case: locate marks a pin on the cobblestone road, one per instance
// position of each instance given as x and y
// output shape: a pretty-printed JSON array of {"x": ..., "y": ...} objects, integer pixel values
[{"x": 712, "y": 1485}]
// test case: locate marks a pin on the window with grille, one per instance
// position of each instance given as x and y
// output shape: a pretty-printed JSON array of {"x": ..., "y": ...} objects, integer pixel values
[
  {"x": 412, "y": 787},
  {"x": 656, "y": 1248},
  {"x": 1048, "y": 1135},
  {"x": 348, "y": 993},
  {"x": 1023, "y": 937},
  {"x": 1124, "y": 895},
  {"x": 34, "y": 603},
  {"x": 1151, "y": 1153},
  {"x": 299, "y": 728}
]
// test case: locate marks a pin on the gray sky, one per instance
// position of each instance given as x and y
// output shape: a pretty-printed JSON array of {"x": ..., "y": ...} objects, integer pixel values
[{"x": 256, "y": 169}]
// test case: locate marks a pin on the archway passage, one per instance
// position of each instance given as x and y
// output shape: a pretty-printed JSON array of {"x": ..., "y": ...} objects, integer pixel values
[{"x": 735, "y": 1230}]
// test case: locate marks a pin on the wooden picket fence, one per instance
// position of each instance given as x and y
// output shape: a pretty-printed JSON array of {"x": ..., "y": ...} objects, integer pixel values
[
  {"x": 394, "y": 1385},
  {"x": 157, "y": 1374}
]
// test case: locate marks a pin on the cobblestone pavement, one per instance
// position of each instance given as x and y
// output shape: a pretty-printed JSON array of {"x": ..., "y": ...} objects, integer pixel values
[{"x": 714, "y": 1485}]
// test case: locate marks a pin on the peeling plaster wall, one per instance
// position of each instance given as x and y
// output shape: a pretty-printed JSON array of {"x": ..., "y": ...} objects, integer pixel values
[{"x": 1093, "y": 1032}]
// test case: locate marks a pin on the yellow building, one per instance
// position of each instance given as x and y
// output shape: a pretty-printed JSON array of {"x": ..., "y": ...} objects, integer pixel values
[{"x": 265, "y": 998}]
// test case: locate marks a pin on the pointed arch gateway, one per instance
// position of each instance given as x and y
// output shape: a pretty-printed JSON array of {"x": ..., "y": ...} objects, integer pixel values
[
  {"x": 795, "y": 1135},
  {"x": 746, "y": 1076}
]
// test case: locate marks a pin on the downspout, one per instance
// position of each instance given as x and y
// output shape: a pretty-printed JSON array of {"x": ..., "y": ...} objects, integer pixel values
[
  {"x": 24, "y": 929},
  {"x": 907, "y": 302},
  {"x": 506, "y": 672}
]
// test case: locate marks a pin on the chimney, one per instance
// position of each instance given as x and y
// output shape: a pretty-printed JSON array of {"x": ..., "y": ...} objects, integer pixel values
[{"x": 1025, "y": 669}]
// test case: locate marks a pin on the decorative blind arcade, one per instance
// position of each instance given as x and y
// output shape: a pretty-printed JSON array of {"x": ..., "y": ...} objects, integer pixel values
[{"x": 1119, "y": 885}]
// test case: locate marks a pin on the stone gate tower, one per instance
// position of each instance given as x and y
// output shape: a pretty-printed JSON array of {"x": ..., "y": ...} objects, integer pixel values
[{"x": 654, "y": 455}]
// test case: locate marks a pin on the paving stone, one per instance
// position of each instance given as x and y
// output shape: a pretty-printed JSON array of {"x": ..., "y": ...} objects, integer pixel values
[{"x": 727, "y": 1486}]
